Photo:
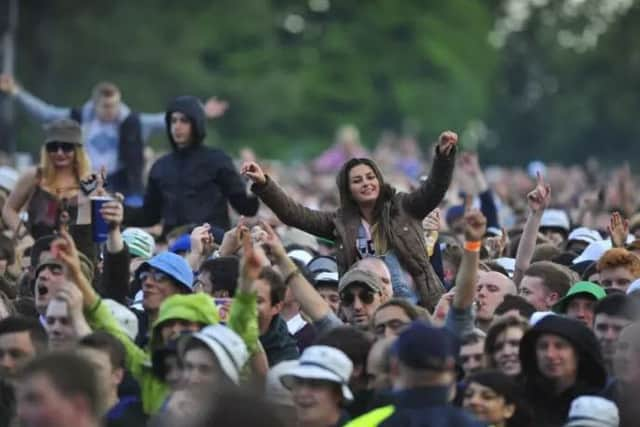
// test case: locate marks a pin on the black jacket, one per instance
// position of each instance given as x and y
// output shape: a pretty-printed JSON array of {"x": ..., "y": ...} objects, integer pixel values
[
  {"x": 192, "y": 185},
  {"x": 551, "y": 409},
  {"x": 278, "y": 342}
]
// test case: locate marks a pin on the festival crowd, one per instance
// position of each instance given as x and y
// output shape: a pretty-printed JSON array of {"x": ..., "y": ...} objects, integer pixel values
[{"x": 392, "y": 287}]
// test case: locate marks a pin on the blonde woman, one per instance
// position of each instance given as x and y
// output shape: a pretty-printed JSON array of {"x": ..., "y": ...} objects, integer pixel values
[{"x": 58, "y": 190}]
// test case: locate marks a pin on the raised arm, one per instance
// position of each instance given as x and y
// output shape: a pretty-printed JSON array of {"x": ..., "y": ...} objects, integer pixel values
[
  {"x": 428, "y": 196},
  {"x": 538, "y": 200},
  {"x": 36, "y": 107},
  {"x": 311, "y": 303},
  {"x": 115, "y": 279},
  {"x": 286, "y": 209},
  {"x": 474, "y": 230}
]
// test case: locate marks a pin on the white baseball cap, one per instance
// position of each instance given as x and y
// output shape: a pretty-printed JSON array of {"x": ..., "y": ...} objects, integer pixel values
[
  {"x": 594, "y": 251},
  {"x": 593, "y": 411},
  {"x": 125, "y": 317},
  {"x": 321, "y": 362},
  {"x": 556, "y": 218},
  {"x": 227, "y": 346},
  {"x": 584, "y": 234}
]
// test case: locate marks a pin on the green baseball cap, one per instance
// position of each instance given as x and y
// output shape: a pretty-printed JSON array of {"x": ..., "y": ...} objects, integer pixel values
[{"x": 586, "y": 288}]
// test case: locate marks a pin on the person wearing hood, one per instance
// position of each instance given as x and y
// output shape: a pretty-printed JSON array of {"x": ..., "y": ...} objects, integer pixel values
[
  {"x": 561, "y": 360},
  {"x": 178, "y": 314},
  {"x": 193, "y": 183},
  {"x": 115, "y": 135},
  {"x": 373, "y": 218}
]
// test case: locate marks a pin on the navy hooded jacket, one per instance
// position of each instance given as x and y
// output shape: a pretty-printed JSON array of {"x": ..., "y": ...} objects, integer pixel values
[{"x": 192, "y": 185}]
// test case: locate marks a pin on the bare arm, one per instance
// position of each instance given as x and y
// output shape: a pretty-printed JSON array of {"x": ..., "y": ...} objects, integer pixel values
[
  {"x": 311, "y": 303},
  {"x": 18, "y": 199},
  {"x": 465, "y": 291},
  {"x": 538, "y": 200}
]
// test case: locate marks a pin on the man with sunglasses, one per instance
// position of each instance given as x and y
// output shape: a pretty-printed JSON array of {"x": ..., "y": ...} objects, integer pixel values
[{"x": 360, "y": 295}]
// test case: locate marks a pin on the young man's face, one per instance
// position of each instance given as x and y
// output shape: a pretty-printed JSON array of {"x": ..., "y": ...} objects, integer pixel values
[
  {"x": 108, "y": 108},
  {"x": 331, "y": 296},
  {"x": 557, "y": 359},
  {"x": 48, "y": 282},
  {"x": 16, "y": 349},
  {"x": 108, "y": 376},
  {"x": 607, "y": 330},
  {"x": 39, "y": 403},
  {"x": 390, "y": 321},
  {"x": 616, "y": 278},
  {"x": 359, "y": 303},
  {"x": 59, "y": 326},
  {"x": 266, "y": 309},
  {"x": 316, "y": 401},
  {"x": 200, "y": 367},
  {"x": 156, "y": 287},
  {"x": 472, "y": 357},
  {"x": 581, "y": 308},
  {"x": 536, "y": 293},
  {"x": 181, "y": 129}
]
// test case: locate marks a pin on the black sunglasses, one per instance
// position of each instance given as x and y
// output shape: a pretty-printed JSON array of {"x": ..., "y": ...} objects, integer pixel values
[
  {"x": 53, "y": 147},
  {"x": 347, "y": 298}
]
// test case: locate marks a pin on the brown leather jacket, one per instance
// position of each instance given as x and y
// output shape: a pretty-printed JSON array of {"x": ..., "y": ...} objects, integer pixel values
[{"x": 402, "y": 215}]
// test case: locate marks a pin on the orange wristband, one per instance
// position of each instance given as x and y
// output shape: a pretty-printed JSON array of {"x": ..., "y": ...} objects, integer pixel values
[{"x": 473, "y": 246}]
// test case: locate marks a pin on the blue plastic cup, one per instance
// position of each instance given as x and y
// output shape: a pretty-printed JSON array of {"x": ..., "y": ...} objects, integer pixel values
[{"x": 99, "y": 226}]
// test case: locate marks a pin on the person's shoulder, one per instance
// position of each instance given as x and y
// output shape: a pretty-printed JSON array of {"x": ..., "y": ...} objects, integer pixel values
[{"x": 216, "y": 153}]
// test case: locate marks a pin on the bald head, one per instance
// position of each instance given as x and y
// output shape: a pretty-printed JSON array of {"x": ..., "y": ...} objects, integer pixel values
[
  {"x": 380, "y": 269},
  {"x": 491, "y": 289}
]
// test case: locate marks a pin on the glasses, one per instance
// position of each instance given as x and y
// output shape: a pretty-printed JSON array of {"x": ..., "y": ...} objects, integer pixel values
[
  {"x": 155, "y": 275},
  {"x": 53, "y": 147},
  {"x": 395, "y": 325},
  {"x": 348, "y": 298}
]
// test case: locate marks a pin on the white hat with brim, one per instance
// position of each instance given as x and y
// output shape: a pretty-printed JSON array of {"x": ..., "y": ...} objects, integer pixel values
[
  {"x": 315, "y": 373},
  {"x": 227, "y": 346},
  {"x": 321, "y": 362},
  {"x": 593, "y": 411}
]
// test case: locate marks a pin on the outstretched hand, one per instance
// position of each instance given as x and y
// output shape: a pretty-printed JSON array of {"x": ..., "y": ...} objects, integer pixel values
[
  {"x": 64, "y": 249},
  {"x": 8, "y": 85},
  {"x": 618, "y": 230},
  {"x": 539, "y": 198},
  {"x": 447, "y": 142},
  {"x": 202, "y": 240},
  {"x": 215, "y": 107},
  {"x": 475, "y": 225},
  {"x": 272, "y": 244},
  {"x": 254, "y": 172},
  {"x": 251, "y": 262}
]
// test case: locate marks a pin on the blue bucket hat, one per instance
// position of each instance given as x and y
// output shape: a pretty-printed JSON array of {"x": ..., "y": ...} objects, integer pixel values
[{"x": 172, "y": 265}]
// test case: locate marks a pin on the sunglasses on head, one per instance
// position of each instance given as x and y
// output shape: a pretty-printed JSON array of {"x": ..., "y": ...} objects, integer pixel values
[
  {"x": 348, "y": 298},
  {"x": 155, "y": 275},
  {"x": 54, "y": 147}
]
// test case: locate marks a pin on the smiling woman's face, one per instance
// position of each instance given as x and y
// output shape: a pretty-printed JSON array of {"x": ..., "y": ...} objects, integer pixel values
[{"x": 363, "y": 184}]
